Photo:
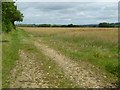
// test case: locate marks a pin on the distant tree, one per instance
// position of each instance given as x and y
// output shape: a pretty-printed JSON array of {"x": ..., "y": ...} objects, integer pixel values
[
  {"x": 10, "y": 14},
  {"x": 70, "y": 25},
  {"x": 104, "y": 24},
  {"x": 44, "y": 25}
]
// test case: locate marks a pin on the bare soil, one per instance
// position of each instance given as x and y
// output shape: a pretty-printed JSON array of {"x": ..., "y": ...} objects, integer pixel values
[
  {"x": 83, "y": 74},
  {"x": 27, "y": 73}
]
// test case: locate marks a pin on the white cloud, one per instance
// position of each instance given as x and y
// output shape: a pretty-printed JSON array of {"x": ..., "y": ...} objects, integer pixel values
[{"x": 66, "y": 12}]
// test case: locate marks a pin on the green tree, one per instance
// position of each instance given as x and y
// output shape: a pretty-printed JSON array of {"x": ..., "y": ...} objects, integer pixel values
[
  {"x": 10, "y": 14},
  {"x": 104, "y": 24},
  {"x": 70, "y": 25}
]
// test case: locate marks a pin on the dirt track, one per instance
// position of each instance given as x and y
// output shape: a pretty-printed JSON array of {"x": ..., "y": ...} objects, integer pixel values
[
  {"x": 28, "y": 74},
  {"x": 82, "y": 75}
]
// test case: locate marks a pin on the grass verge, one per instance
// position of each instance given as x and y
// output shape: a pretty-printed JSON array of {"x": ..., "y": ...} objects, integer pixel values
[{"x": 11, "y": 43}]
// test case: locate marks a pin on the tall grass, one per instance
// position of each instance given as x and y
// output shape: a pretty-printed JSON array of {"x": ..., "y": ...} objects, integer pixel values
[{"x": 98, "y": 46}]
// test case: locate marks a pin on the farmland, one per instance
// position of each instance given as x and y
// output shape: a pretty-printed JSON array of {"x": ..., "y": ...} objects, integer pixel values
[{"x": 60, "y": 57}]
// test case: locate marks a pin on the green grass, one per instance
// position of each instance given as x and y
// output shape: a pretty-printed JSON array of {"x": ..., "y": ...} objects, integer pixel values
[
  {"x": 11, "y": 43},
  {"x": 99, "y": 52},
  {"x": 53, "y": 75},
  {"x": 97, "y": 46},
  {"x": 10, "y": 47},
  {"x": 20, "y": 40}
]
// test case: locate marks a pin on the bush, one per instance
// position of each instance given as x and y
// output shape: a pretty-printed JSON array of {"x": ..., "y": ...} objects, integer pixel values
[
  {"x": 9, "y": 26},
  {"x": 4, "y": 28}
]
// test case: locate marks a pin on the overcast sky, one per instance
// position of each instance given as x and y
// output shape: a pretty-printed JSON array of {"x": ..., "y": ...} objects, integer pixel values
[{"x": 68, "y": 12}]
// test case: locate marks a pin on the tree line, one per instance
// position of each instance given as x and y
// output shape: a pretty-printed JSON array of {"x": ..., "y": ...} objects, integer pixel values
[
  {"x": 10, "y": 14},
  {"x": 104, "y": 24}
]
